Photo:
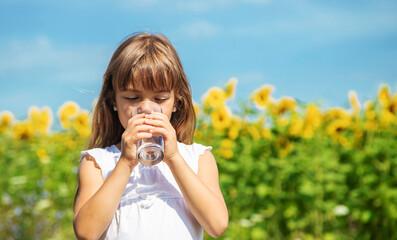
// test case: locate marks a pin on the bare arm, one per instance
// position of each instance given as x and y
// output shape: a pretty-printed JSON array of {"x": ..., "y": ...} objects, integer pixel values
[
  {"x": 202, "y": 192},
  {"x": 98, "y": 199}
]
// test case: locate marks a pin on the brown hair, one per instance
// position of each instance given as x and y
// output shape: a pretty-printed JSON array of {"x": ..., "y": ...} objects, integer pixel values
[{"x": 149, "y": 61}]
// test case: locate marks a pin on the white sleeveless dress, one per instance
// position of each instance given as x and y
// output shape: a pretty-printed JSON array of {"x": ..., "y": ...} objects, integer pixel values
[{"x": 152, "y": 206}]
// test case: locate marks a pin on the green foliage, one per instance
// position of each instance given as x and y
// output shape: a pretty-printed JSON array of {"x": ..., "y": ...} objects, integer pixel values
[
  {"x": 37, "y": 186},
  {"x": 321, "y": 190},
  {"x": 287, "y": 172}
]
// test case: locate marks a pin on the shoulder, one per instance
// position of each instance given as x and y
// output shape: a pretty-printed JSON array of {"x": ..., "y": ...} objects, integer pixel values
[
  {"x": 193, "y": 153},
  {"x": 98, "y": 153},
  {"x": 103, "y": 158},
  {"x": 194, "y": 149}
]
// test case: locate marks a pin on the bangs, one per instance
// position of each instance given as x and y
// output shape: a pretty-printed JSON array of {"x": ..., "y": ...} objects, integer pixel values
[
  {"x": 143, "y": 62},
  {"x": 153, "y": 73}
]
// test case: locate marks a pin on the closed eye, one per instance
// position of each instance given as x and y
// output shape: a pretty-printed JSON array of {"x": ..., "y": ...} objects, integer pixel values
[{"x": 131, "y": 98}]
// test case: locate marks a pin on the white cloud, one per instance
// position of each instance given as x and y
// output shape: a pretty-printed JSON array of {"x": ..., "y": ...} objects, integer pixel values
[
  {"x": 206, "y": 5},
  {"x": 40, "y": 55},
  {"x": 257, "y": 1},
  {"x": 135, "y": 3},
  {"x": 251, "y": 77},
  {"x": 199, "y": 6},
  {"x": 323, "y": 24},
  {"x": 199, "y": 29}
]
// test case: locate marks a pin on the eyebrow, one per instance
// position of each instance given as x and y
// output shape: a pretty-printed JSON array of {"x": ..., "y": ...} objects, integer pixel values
[{"x": 137, "y": 91}]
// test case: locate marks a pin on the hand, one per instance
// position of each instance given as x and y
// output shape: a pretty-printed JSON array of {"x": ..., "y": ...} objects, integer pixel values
[
  {"x": 135, "y": 131},
  {"x": 161, "y": 125}
]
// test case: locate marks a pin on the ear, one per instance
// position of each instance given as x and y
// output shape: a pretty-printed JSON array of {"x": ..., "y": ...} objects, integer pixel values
[{"x": 177, "y": 105}]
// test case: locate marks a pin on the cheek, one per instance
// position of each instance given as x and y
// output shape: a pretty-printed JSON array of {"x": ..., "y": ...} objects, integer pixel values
[
  {"x": 169, "y": 114},
  {"x": 124, "y": 115},
  {"x": 168, "y": 111}
]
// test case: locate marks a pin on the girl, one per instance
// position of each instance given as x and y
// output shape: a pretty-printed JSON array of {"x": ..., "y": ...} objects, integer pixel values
[{"x": 119, "y": 198}]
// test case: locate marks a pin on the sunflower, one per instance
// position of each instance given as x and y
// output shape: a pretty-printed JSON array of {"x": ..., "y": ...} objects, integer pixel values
[
  {"x": 233, "y": 133},
  {"x": 393, "y": 104},
  {"x": 336, "y": 113},
  {"x": 221, "y": 118},
  {"x": 282, "y": 121},
  {"x": 266, "y": 133},
  {"x": 369, "y": 111},
  {"x": 354, "y": 102},
  {"x": 225, "y": 149},
  {"x": 196, "y": 108},
  {"x": 296, "y": 125},
  {"x": 82, "y": 124},
  {"x": 285, "y": 104},
  {"x": 343, "y": 141},
  {"x": 230, "y": 87},
  {"x": 284, "y": 146},
  {"x": 41, "y": 119},
  {"x": 215, "y": 98},
  {"x": 335, "y": 128},
  {"x": 235, "y": 128},
  {"x": 384, "y": 96},
  {"x": 225, "y": 153},
  {"x": 387, "y": 118},
  {"x": 262, "y": 96},
  {"x": 42, "y": 155},
  {"x": 23, "y": 130},
  {"x": 370, "y": 123},
  {"x": 198, "y": 134},
  {"x": 254, "y": 132},
  {"x": 6, "y": 121},
  {"x": 308, "y": 132},
  {"x": 312, "y": 121},
  {"x": 227, "y": 143},
  {"x": 67, "y": 112}
]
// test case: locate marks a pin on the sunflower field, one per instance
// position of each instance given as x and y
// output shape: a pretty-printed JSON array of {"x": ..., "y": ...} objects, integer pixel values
[{"x": 288, "y": 170}]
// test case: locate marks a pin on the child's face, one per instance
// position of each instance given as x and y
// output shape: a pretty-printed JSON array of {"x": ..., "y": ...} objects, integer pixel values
[{"x": 127, "y": 99}]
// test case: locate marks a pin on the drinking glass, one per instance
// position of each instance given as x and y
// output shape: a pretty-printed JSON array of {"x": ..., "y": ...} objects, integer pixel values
[{"x": 150, "y": 150}]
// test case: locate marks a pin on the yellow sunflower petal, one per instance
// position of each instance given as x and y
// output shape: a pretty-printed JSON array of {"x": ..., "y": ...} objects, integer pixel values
[
  {"x": 82, "y": 124},
  {"x": 384, "y": 96},
  {"x": 6, "y": 121},
  {"x": 262, "y": 96},
  {"x": 67, "y": 112},
  {"x": 214, "y": 97},
  {"x": 354, "y": 102},
  {"x": 230, "y": 87},
  {"x": 285, "y": 104},
  {"x": 221, "y": 118}
]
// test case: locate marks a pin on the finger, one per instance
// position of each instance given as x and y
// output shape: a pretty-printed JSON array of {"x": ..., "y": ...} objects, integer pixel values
[
  {"x": 142, "y": 128},
  {"x": 135, "y": 121},
  {"x": 158, "y": 130},
  {"x": 133, "y": 130},
  {"x": 158, "y": 123},
  {"x": 140, "y": 115},
  {"x": 143, "y": 135},
  {"x": 133, "y": 139},
  {"x": 166, "y": 133},
  {"x": 156, "y": 115},
  {"x": 136, "y": 118}
]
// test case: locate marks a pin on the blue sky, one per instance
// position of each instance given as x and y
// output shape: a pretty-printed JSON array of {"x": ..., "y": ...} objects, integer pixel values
[{"x": 53, "y": 51}]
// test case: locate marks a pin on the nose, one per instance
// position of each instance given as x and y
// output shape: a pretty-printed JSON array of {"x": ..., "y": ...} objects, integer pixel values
[{"x": 147, "y": 107}]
